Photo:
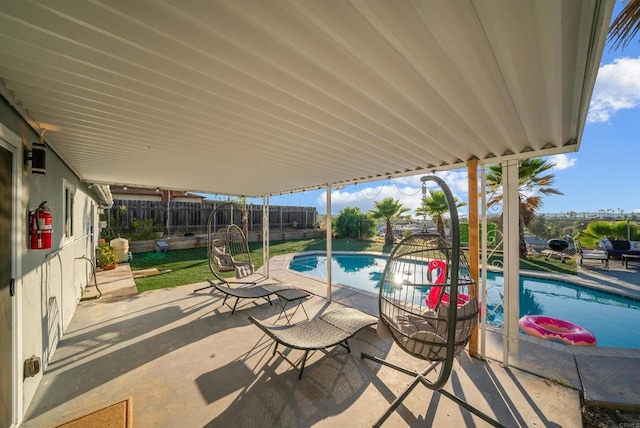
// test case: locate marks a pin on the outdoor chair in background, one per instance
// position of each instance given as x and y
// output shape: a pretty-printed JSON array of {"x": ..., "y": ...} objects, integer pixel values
[
  {"x": 600, "y": 255},
  {"x": 228, "y": 251}
]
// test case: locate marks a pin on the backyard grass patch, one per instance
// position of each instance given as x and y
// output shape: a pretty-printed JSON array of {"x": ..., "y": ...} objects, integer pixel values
[
  {"x": 190, "y": 266},
  {"x": 541, "y": 264}
]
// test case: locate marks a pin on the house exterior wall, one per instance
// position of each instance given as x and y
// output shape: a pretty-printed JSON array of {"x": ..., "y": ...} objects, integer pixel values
[
  {"x": 53, "y": 280},
  {"x": 49, "y": 282}
]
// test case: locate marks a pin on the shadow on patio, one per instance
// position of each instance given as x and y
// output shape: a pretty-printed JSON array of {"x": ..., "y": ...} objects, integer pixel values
[{"x": 186, "y": 361}]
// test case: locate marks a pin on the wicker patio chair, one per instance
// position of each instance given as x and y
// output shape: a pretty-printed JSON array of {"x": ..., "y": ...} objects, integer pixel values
[
  {"x": 328, "y": 330},
  {"x": 426, "y": 305},
  {"x": 228, "y": 251}
]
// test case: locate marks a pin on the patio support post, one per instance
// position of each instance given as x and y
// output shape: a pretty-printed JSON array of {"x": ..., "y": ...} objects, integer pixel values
[
  {"x": 215, "y": 220},
  {"x": 329, "y": 243},
  {"x": 265, "y": 236},
  {"x": 485, "y": 262},
  {"x": 474, "y": 256},
  {"x": 168, "y": 213},
  {"x": 511, "y": 254}
]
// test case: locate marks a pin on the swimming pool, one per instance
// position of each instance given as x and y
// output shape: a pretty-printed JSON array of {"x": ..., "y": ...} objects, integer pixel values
[{"x": 613, "y": 319}]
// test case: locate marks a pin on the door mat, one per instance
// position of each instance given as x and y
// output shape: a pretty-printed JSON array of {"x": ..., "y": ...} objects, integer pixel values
[{"x": 118, "y": 415}]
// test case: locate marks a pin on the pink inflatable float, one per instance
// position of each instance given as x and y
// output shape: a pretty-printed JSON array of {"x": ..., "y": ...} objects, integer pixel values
[
  {"x": 436, "y": 293},
  {"x": 549, "y": 328}
]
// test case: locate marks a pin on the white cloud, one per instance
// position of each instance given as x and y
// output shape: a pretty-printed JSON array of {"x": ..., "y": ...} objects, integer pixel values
[
  {"x": 562, "y": 161},
  {"x": 407, "y": 190},
  {"x": 617, "y": 87}
]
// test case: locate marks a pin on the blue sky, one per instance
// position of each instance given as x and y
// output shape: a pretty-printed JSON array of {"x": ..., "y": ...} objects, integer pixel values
[{"x": 603, "y": 175}]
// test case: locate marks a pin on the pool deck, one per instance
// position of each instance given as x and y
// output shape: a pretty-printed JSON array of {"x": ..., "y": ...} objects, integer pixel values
[
  {"x": 606, "y": 376},
  {"x": 187, "y": 361}
]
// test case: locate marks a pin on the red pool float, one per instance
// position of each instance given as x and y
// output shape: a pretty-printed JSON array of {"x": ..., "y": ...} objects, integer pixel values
[
  {"x": 549, "y": 328},
  {"x": 435, "y": 293}
]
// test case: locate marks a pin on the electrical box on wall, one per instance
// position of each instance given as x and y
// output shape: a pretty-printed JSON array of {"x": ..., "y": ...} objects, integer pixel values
[{"x": 31, "y": 366}]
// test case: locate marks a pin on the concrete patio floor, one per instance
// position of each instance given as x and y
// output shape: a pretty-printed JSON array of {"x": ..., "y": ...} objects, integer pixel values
[{"x": 187, "y": 361}]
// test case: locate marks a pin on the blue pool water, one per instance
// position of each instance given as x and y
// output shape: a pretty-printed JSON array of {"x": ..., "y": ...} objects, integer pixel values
[{"x": 614, "y": 320}]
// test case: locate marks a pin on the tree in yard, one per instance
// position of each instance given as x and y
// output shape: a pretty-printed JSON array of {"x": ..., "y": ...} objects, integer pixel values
[
  {"x": 534, "y": 181},
  {"x": 435, "y": 205},
  {"x": 245, "y": 217},
  {"x": 241, "y": 202},
  {"x": 388, "y": 209},
  {"x": 352, "y": 223}
]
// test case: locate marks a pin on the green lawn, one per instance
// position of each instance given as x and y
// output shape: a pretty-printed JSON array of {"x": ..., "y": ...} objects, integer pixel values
[{"x": 190, "y": 266}]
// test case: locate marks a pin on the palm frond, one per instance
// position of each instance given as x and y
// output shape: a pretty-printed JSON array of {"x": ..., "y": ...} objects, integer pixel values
[{"x": 625, "y": 26}]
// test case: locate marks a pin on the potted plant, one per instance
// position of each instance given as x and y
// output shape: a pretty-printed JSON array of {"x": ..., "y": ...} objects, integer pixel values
[{"x": 107, "y": 259}]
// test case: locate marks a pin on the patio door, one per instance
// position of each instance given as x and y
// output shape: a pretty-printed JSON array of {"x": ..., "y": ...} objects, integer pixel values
[{"x": 6, "y": 286}]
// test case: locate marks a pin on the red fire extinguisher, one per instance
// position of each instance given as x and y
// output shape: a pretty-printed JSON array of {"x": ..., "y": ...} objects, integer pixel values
[{"x": 41, "y": 228}]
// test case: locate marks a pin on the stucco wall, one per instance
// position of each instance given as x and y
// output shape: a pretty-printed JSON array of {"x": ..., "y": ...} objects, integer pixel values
[
  {"x": 53, "y": 280},
  {"x": 50, "y": 282}
]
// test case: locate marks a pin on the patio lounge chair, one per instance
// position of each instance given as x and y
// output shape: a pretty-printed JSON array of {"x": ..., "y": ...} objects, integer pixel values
[
  {"x": 600, "y": 255},
  {"x": 250, "y": 292},
  {"x": 331, "y": 329}
]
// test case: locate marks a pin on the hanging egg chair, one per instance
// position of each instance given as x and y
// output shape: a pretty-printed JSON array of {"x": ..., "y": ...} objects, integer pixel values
[
  {"x": 424, "y": 275},
  {"x": 227, "y": 251}
]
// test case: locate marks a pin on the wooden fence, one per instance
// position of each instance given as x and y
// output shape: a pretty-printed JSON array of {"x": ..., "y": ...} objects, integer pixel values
[{"x": 185, "y": 218}]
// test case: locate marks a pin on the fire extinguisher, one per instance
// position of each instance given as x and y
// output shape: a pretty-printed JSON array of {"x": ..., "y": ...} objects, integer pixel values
[{"x": 40, "y": 228}]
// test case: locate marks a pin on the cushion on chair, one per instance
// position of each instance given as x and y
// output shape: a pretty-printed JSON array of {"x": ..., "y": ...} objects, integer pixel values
[
  {"x": 243, "y": 269},
  {"x": 224, "y": 262},
  {"x": 620, "y": 245},
  {"x": 605, "y": 244}
]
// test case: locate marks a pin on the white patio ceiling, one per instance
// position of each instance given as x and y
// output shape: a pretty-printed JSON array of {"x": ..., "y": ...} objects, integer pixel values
[{"x": 257, "y": 97}]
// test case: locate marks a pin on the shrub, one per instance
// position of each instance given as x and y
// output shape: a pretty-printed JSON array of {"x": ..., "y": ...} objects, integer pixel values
[
  {"x": 106, "y": 256},
  {"x": 492, "y": 228},
  {"x": 601, "y": 229},
  {"x": 352, "y": 223},
  {"x": 143, "y": 229}
]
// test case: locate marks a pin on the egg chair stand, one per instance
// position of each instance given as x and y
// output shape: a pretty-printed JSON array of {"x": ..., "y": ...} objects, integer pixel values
[
  {"x": 425, "y": 305},
  {"x": 227, "y": 251}
]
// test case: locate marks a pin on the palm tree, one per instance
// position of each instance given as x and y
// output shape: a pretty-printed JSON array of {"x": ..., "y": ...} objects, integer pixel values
[
  {"x": 626, "y": 25},
  {"x": 533, "y": 183},
  {"x": 241, "y": 203},
  {"x": 388, "y": 209},
  {"x": 245, "y": 216},
  {"x": 436, "y": 205}
]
